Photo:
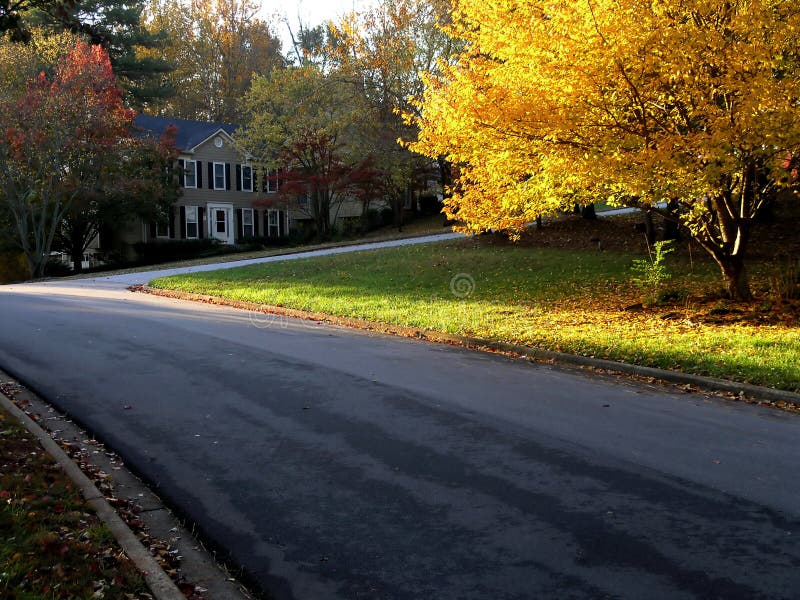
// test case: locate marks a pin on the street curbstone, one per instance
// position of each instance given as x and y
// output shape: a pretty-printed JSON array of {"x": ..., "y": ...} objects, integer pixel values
[{"x": 162, "y": 587}]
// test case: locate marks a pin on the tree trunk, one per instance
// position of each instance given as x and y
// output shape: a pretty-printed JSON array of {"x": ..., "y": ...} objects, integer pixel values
[
  {"x": 77, "y": 259},
  {"x": 445, "y": 173},
  {"x": 588, "y": 212},
  {"x": 734, "y": 274},
  {"x": 671, "y": 227},
  {"x": 650, "y": 228}
]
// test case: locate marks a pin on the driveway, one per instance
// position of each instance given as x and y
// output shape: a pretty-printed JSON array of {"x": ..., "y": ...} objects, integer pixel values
[
  {"x": 332, "y": 463},
  {"x": 144, "y": 277}
]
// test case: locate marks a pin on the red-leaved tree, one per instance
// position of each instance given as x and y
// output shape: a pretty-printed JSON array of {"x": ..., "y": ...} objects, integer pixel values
[
  {"x": 57, "y": 135},
  {"x": 318, "y": 180}
]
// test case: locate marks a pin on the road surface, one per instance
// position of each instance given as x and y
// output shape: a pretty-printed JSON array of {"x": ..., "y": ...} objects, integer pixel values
[{"x": 331, "y": 463}]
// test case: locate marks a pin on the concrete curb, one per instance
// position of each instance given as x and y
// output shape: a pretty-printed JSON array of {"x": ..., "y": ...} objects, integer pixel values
[
  {"x": 701, "y": 381},
  {"x": 162, "y": 587}
]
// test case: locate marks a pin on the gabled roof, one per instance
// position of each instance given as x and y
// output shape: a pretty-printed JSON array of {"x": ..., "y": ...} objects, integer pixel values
[{"x": 190, "y": 133}]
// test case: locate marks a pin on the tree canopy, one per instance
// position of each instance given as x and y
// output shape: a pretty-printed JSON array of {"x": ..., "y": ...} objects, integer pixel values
[
  {"x": 13, "y": 13},
  {"x": 689, "y": 102},
  {"x": 306, "y": 123},
  {"x": 62, "y": 134},
  {"x": 116, "y": 25},
  {"x": 216, "y": 47}
]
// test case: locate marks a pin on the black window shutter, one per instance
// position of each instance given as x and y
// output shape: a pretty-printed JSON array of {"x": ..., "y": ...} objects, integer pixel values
[
  {"x": 171, "y": 223},
  {"x": 239, "y": 224},
  {"x": 152, "y": 230},
  {"x": 201, "y": 221},
  {"x": 281, "y": 226},
  {"x": 181, "y": 173},
  {"x": 227, "y": 176},
  {"x": 210, "y": 175},
  {"x": 182, "y": 216},
  {"x": 253, "y": 180},
  {"x": 255, "y": 222},
  {"x": 238, "y": 178},
  {"x": 199, "y": 173},
  {"x": 265, "y": 181}
]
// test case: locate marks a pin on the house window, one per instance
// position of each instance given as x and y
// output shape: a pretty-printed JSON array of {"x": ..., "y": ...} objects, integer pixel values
[
  {"x": 247, "y": 179},
  {"x": 162, "y": 229},
  {"x": 221, "y": 220},
  {"x": 191, "y": 223},
  {"x": 190, "y": 174},
  {"x": 247, "y": 223},
  {"x": 219, "y": 176},
  {"x": 273, "y": 223},
  {"x": 272, "y": 182}
]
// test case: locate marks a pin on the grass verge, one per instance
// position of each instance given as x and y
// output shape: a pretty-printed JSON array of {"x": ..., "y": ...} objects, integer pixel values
[
  {"x": 576, "y": 301},
  {"x": 52, "y": 545}
]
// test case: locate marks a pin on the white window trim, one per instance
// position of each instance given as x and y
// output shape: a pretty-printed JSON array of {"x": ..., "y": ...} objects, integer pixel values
[
  {"x": 270, "y": 225},
  {"x": 196, "y": 222},
  {"x": 245, "y": 189},
  {"x": 224, "y": 176},
  {"x": 186, "y": 168},
  {"x": 252, "y": 224}
]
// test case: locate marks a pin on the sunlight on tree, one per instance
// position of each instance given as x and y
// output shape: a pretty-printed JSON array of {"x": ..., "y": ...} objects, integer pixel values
[{"x": 693, "y": 103}]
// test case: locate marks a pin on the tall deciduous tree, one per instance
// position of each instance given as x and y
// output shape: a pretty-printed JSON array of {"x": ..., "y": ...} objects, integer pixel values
[
  {"x": 56, "y": 128},
  {"x": 305, "y": 122},
  {"x": 690, "y": 102},
  {"x": 216, "y": 47},
  {"x": 136, "y": 178},
  {"x": 383, "y": 50}
]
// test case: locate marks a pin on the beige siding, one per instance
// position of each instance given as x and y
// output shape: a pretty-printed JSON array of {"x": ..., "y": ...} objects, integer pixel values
[
  {"x": 208, "y": 153},
  {"x": 260, "y": 201}
]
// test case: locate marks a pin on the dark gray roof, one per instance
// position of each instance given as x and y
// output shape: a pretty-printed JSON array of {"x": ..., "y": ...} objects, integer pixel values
[{"x": 190, "y": 133}]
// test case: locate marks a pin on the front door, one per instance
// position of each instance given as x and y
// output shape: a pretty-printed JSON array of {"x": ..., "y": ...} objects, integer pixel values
[{"x": 220, "y": 222}]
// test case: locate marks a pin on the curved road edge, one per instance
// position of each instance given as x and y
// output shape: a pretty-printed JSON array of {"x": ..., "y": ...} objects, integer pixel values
[
  {"x": 743, "y": 391},
  {"x": 158, "y": 581}
]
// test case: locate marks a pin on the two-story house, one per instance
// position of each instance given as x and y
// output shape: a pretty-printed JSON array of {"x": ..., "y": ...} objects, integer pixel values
[{"x": 223, "y": 196}]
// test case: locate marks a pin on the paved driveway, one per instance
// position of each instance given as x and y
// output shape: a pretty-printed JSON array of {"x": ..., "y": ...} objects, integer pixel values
[{"x": 331, "y": 463}]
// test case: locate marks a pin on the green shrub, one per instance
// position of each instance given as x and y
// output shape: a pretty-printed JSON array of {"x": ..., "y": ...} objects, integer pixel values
[
  {"x": 650, "y": 273},
  {"x": 158, "y": 252},
  {"x": 429, "y": 204}
]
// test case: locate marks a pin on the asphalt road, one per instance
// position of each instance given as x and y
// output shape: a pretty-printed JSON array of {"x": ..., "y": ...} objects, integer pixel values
[{"x": 332, "y": 463}]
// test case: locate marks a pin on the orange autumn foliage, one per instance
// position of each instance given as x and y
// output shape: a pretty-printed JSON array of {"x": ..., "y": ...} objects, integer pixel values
[{"x": 690, "y": 102}]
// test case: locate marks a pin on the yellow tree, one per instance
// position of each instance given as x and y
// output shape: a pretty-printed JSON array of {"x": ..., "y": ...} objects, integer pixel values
[{"x": 691, "y": 102}]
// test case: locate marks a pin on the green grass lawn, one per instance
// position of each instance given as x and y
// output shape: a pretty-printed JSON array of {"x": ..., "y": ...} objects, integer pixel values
[{"x": 564, "y": 300}]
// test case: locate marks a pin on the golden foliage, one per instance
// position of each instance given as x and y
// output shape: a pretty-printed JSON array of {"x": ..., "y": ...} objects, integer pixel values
[{"x": 630, "y": 101}]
